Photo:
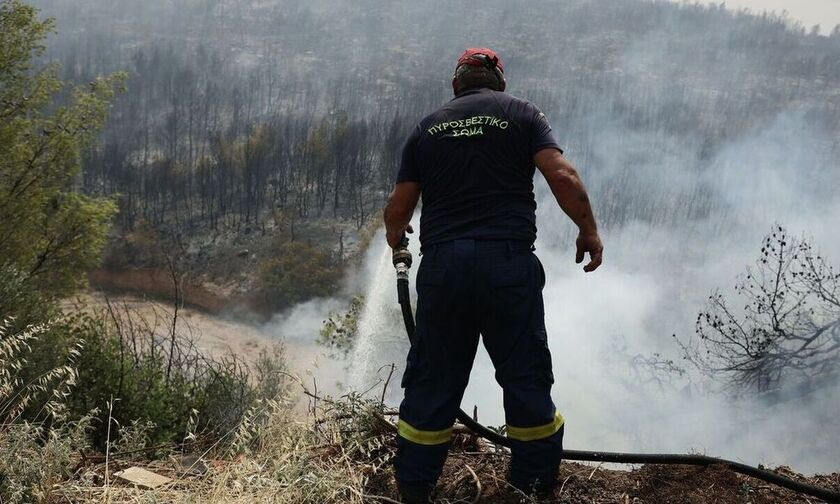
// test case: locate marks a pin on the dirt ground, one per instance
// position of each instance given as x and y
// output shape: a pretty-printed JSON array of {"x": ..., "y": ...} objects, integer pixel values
[
  {"x": 473, "y": 474},
  {"x": 650, "y": 484},
  {"x": 472, "y": 477}
]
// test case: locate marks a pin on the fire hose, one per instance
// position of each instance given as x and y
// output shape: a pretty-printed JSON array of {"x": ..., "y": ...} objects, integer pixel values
[{"x": 402, "y": 260}]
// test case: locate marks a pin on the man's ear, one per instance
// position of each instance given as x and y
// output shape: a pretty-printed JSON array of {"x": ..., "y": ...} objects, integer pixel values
[{"x": 454, "y": 85}]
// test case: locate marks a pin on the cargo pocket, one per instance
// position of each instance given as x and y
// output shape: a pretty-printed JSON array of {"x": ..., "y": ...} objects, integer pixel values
[
  {"x": 431, "y": 299},
  {"x": 509, "y": 286},
  {"x": 410, "y": 365},
  {"x": 542, "y": 271},
  {"x": 544, "y": 353}
]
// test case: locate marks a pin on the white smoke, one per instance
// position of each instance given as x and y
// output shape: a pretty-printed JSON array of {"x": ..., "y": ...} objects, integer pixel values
[{"x": 655, "y": 279}]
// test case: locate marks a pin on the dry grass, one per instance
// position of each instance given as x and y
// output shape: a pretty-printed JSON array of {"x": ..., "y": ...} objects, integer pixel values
[
  {"x": 273, "y": 457},
  {"x": 35, "y": 453},
  {"x": 341, "y": 453}
]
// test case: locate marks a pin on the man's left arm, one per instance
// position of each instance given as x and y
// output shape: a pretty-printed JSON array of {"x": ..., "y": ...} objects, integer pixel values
[{"x": 401, "y": 204}]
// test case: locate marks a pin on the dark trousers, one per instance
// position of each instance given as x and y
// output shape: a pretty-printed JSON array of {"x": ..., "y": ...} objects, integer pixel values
[{"x": 466, "y": 288}]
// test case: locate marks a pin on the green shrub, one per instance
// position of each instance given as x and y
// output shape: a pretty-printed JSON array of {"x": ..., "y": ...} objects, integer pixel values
[
  {"x": 164, "y": 380},
  {"x": 20, "y": 303},
  {"x": 140, "y": 246},
  {"x": 152, "y": 376},
  {"x": 63, "y": 383},
  {"x": 298, "y": 271},
  {"x": 338, "y": 333}
]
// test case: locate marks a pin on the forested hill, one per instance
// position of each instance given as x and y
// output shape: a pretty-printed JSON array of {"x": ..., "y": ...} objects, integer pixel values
[
  {"x": 237, "y": 107},
  {"x": 236, "y": 110}
]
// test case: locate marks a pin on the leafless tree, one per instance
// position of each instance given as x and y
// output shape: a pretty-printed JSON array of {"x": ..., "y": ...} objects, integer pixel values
[{"x": 782, "y": 331}]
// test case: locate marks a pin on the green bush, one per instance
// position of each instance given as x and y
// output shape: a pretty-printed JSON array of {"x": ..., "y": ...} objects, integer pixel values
[
  {"x": 299, "y": 271},
  {"x": 151, "y": 375},
  {"x": 63, "y": 383},
  {"x": 338, "y": 333},
  {"x": 167, "y": 380},
  {"x": 140, "y": 246},
  {"x": 19, "y": 301}
]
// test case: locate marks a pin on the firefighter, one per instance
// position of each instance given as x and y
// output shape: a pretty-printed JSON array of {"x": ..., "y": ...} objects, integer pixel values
[{"x": 473, "y": 161}]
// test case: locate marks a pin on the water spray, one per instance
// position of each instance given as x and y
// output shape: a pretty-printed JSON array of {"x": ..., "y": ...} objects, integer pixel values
[{"x": 402, "y": 260}]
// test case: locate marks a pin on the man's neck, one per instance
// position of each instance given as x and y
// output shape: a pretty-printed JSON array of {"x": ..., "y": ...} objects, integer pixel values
[{"x": 471, "y": 90}]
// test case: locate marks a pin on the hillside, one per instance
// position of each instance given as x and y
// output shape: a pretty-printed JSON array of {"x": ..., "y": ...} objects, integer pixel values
[{"x": 241, "y": 118}]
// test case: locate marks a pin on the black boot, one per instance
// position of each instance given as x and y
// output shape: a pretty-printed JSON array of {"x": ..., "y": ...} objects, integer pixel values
[
  {"x": 415, "y": 493},
  {"x": 540, "y": 488}
]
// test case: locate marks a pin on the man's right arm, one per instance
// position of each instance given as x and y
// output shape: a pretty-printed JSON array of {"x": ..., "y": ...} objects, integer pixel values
[{"x": 568, "y": 189}]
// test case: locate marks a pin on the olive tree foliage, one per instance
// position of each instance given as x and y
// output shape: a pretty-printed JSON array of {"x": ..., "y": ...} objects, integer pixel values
[
  {"x": 783, "y": 329},
  {"x": 50, "y": 234},
  {"x": 340, "y": 331}
]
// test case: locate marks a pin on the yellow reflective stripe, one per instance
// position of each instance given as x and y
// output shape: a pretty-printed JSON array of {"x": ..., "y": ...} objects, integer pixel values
[
  {"x": 534, "y": 433},
  {"x": 423, "y": 437}
]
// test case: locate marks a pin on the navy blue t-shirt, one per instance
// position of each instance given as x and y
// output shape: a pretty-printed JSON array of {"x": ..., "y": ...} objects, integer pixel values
[{"x": 473, "y": 159}]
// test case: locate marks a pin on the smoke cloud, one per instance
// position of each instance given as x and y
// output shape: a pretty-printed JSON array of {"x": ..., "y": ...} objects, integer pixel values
[{"x": 659, "y": 269}]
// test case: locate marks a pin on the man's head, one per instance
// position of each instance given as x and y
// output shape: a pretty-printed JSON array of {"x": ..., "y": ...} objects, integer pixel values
[{"x": 478, "y": 68}]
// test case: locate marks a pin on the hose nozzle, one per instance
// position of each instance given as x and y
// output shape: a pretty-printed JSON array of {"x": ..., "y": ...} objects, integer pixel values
[
  {"x": 402, "y": 262},
  {"x": 402, "y": 257}
]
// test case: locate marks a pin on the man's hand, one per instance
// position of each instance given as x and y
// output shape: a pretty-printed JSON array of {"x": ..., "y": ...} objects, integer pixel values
[
  {"x": 395, "y": 238},
  {"x": 570, "y": 193},
  {"x": 591, "y": 243}
]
